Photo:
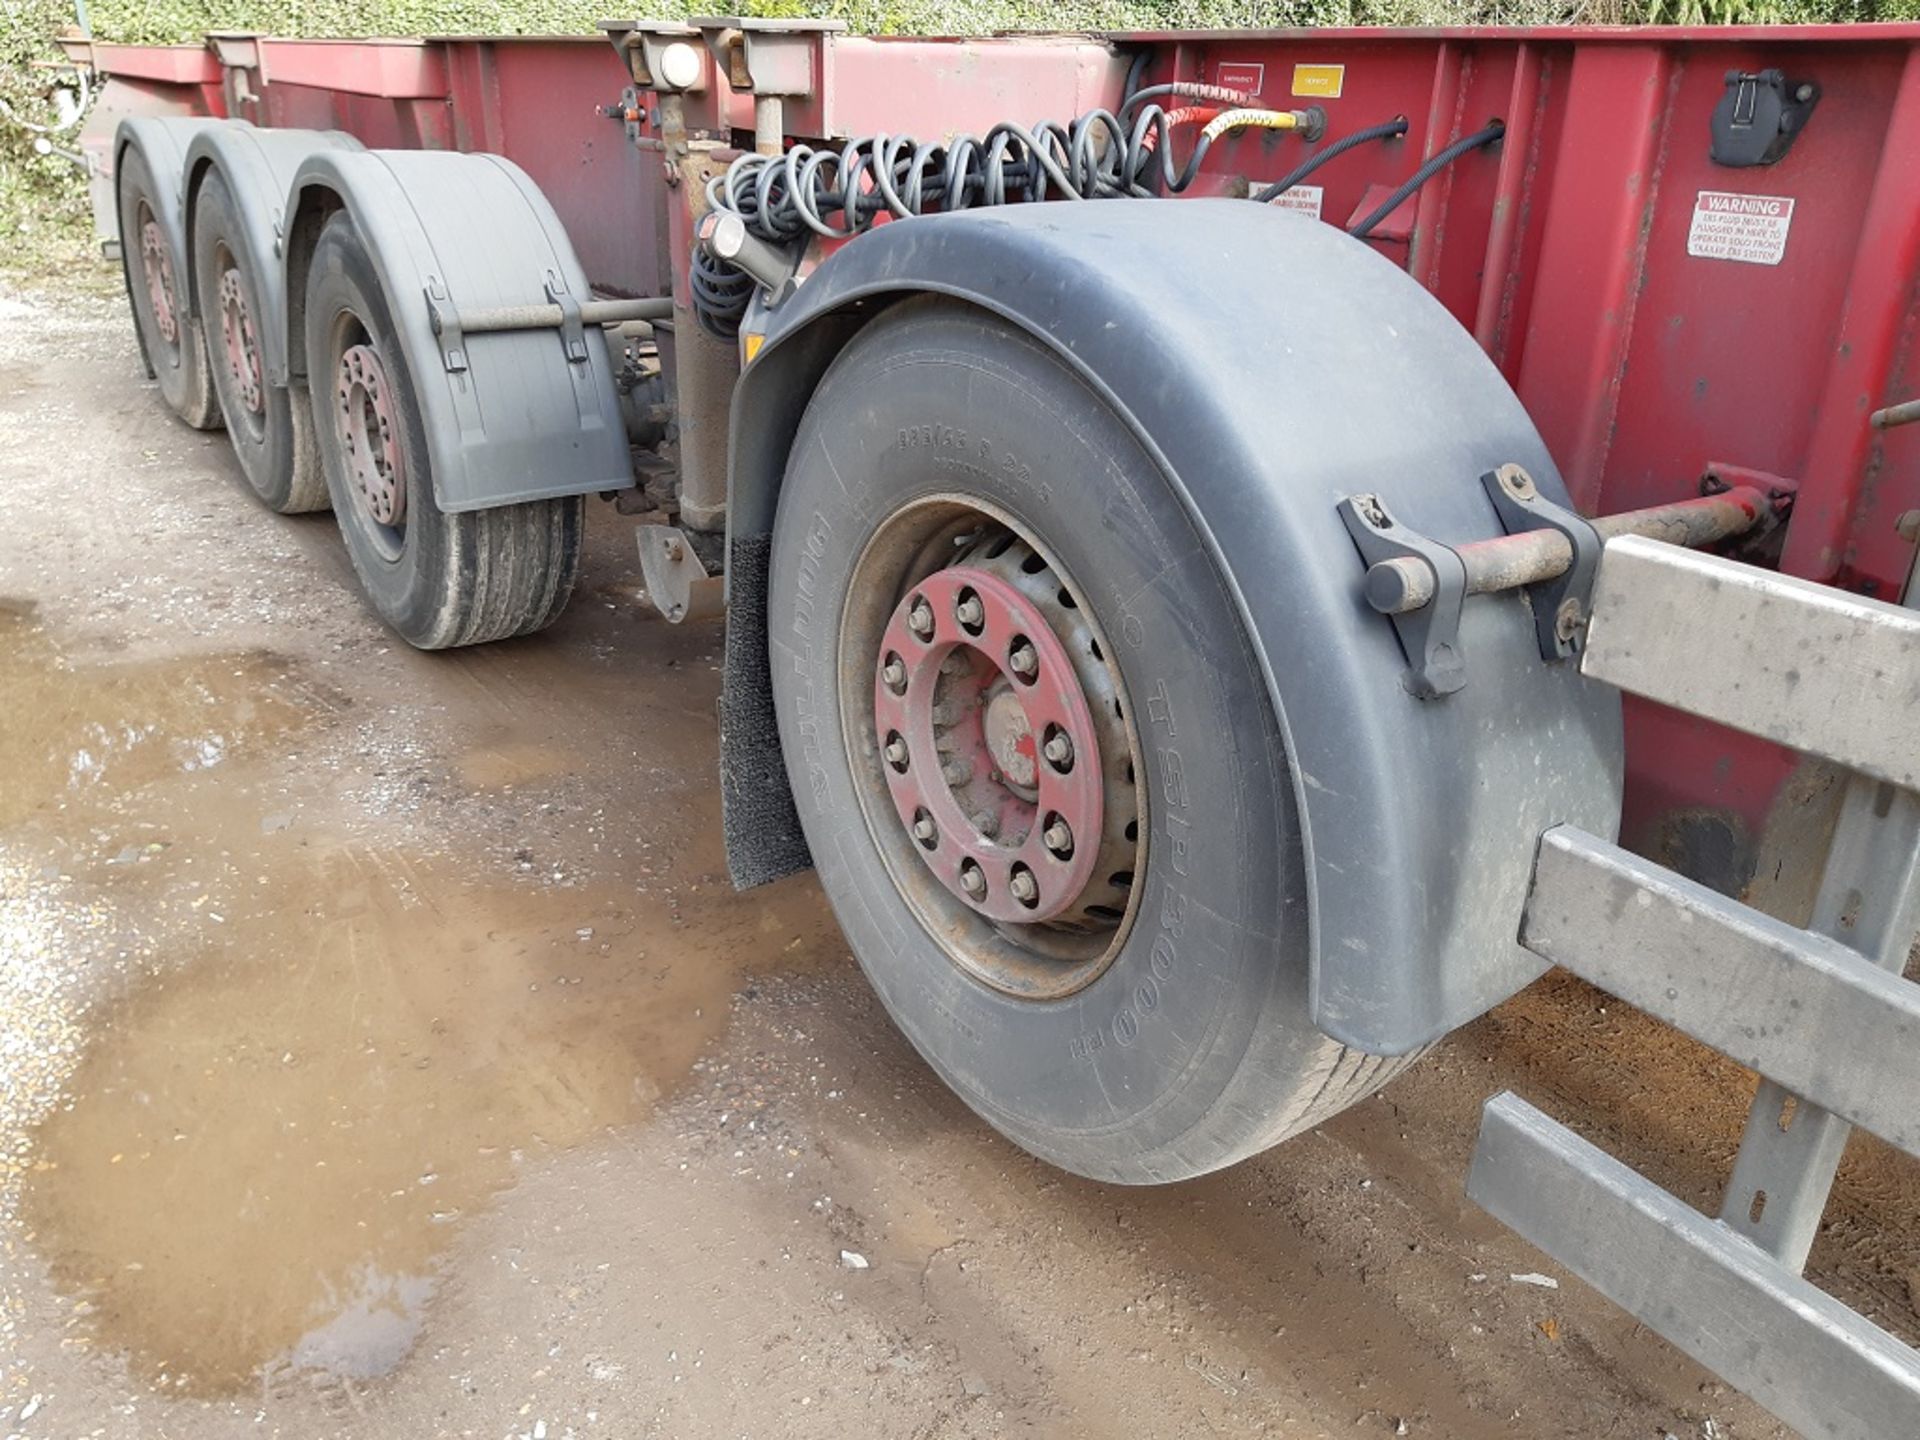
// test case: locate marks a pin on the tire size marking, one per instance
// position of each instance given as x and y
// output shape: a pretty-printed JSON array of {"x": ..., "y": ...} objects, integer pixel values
[
  {"x": 806, "y": 706},
  {"x": 951, "y": 447}
]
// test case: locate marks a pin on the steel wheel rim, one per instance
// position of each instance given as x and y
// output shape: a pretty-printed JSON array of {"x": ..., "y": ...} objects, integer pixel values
[
  {"x": 156, "y": 270},
  {"x": 240, "y": 340},
  {"x": 367, "y": 427},
  {"x": 1024, "y": 869}
]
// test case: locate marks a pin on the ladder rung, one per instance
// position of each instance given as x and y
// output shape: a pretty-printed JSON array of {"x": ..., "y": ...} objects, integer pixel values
[
  {"x": 1814, "y": 668},
  {"x": 1828, "y": 1024},
  {"x": 1818, "y": 1365}
]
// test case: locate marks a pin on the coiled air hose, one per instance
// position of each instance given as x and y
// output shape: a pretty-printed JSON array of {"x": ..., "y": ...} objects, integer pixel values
[{"x": 835, "y": 194}]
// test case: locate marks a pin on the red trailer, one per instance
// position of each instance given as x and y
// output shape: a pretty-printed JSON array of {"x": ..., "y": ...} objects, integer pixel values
[{"x": 1187, "y": 633}]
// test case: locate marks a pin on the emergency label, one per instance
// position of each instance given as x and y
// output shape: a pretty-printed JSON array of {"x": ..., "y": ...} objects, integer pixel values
[
  {"x": 1748, "y": 228},
  {"x": 1244, "y": 75},
  {"x": 1303, "y": 198}
]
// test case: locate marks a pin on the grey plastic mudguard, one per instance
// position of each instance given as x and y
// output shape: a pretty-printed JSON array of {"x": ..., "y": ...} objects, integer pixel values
[
  {"x": 509, "y": 417},
  {"x": 259, "y": 166},
  {"x": 1275, "y": 366},
  {"x": 163, "y": 142}
]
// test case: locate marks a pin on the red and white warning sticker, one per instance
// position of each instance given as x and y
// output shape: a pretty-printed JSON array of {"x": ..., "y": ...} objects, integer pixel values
[
  {"x": 1748, "y": 228},
  {"x": 1303, "y": 198}
]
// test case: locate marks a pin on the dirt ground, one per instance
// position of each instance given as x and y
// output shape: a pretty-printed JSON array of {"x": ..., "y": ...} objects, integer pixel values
[{"x": 383, "y": 1052}]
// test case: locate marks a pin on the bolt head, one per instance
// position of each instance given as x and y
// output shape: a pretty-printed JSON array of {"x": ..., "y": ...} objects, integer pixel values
[
  {"x": 1059, "y": 750},
  {"x": 970, "y": 612},
  {"x": 1023, "y": 886},
  {"x": 987, "y": 825},
  {"x": 973, "y": 880},
  {"x": 920, "y": 619},
  {"x": 957, "y": 771},
  {"x": 895, "y": 674},
  {"x": 897, "y": 751},
  {"x": 1058, "y": 837},
  {"x": 923, "y": 828},
  {"x": 1024, "y": 660}
]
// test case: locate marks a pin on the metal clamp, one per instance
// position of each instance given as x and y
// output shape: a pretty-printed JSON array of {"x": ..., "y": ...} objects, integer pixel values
[
  {"x": 445, "y": 321},
  {"x": 573, "y": 334},
  {"x": 1430, "y": 634},
  {"x": 1559, "y": 604}
]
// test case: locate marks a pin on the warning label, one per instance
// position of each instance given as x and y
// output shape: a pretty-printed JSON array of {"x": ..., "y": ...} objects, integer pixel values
[
  {"x": 1749, "y": 228},
  {"x": 1303, "y": 198}
]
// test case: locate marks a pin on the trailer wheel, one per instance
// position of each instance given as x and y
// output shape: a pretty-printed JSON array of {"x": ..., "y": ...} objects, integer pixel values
[
  {"x": 1035, "y": 760},
  {"x": 439, "y": 579},
  {"x": 272, "y": 433},
  {"x": 169, "y": 335}
]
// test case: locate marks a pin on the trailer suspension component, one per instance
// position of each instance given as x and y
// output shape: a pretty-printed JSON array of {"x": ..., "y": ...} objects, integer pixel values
[{"x": 783, "y": 199}]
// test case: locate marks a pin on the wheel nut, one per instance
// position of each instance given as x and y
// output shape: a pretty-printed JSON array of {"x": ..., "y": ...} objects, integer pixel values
[
  {"x": 897, "y": 753},
  {"x": 970, "y": 612},
  {"x": 895, "y": 674},
  {"x": 1023, "y": 887},
  {"x": 1024, "y": 660},
  {"x": 923, "y": 828},
  {"x": 1059, "y": 838},
  {"x": 920, "y": 619},
  {"x": 957, "y": 772},
  {"x": 986, "y": 824},
  {"x": 973, "y": 880},
  {"x": 1059, "y": 750}
]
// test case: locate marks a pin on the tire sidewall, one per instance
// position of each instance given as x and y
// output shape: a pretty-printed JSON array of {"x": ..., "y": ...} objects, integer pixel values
[
  {"x": 1116, "y": 1078},
  {"x": 411, "y": 591},
  {"x": 263, "y": 443},
  {"x": 175, "y": 363}
]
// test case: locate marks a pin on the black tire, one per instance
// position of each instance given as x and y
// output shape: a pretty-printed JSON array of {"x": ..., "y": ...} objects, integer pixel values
[
  {"x": 438, "y": 579},
  {"x": 272, "y": 433},
  {"x": 1193, "y": 1047},
  {"x": 174, "y": 346}
]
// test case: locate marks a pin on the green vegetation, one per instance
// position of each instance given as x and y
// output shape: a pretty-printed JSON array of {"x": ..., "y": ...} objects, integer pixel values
[{"x": 43, "y": 210}]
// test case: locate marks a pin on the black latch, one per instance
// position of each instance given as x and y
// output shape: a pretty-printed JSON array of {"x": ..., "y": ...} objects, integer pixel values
[{"x": 1757, "y": 119}]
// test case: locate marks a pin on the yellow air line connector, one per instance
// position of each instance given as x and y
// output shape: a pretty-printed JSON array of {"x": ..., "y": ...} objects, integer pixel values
[{"x": 1310, "y": 122}]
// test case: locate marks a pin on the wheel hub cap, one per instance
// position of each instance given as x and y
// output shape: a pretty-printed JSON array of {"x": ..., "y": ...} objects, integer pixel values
[
  {"x": 157, "y": 269},
  {"x": 989, "y": 745},
  {"x": 369, "y": 436},
  {"x": 242, "y": 346}
]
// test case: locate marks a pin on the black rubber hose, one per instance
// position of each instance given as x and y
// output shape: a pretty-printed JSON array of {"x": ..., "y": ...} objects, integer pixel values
[
  {"x": 1426, "y": 172},
  {"x": 1390, "y": 130}
]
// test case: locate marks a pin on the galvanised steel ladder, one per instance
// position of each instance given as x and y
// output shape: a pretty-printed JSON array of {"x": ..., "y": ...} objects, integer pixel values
[{"x": 1823, "y": 1014}]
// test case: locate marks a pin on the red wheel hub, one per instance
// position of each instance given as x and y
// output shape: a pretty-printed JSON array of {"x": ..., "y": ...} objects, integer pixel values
[
  {"x": 989, "y": 747},
  {"x": 242, "y": 345},
  {"x": 157, "y": 269},
  {"x": 369, "y": 435}
]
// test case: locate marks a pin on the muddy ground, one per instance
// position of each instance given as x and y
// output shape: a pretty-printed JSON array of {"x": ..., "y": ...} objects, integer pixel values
[{"x": 383, "y": 1052}]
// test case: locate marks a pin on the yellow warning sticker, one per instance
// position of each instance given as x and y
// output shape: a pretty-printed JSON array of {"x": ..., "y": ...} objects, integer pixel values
[{"x": 1322, "y": 82}]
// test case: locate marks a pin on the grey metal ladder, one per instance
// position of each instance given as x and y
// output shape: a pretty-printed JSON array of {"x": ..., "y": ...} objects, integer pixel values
[{"x": 1823, "y": 1014}]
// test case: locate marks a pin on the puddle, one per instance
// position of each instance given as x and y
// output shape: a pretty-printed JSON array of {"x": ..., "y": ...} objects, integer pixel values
[
  {"x": 79, "y": 732},
  {"x": 269, "y": 1148},
  {"x": 329, "y": 1051}
]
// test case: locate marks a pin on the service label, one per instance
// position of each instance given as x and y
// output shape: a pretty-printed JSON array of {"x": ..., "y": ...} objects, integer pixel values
[
  {"x": 1749, "y": 228},
  {"x": 1320, "y": 82}
]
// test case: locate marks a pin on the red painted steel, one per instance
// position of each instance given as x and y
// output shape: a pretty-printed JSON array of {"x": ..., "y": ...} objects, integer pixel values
[{"x": 1565, "y": 248}]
